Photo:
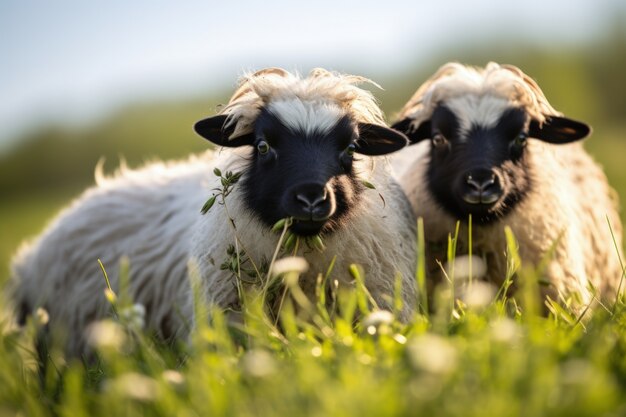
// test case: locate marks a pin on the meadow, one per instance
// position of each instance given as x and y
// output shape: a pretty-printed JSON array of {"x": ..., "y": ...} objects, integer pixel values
[
  {"x": 466, "y": 358},
  {"x": 470, "y": 357}
]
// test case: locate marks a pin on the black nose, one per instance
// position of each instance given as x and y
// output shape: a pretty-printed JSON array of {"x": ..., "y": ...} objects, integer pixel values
[
  {"x": 312, "y": 201},
  {"x": 481, "y": 187}
]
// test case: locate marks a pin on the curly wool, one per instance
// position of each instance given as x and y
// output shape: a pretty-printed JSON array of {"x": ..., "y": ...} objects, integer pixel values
[
  {"x": 563, "y": 206},
  {"x": 145, "y": 215},
  {"x": 321, "y": 87},
  {"x": 454, "y": 80},
  {"x": 565, "y": 211}
]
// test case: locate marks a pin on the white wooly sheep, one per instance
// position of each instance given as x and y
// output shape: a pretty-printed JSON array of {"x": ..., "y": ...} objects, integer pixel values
[
  {"x": 305, "y": 148},
  {"x": 497, "y": 150},
  {"x": 311, "y": 143},
  {"x": 146, "y": 215}
]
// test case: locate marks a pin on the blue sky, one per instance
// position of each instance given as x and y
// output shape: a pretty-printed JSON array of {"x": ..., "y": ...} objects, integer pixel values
[{"x": 75, "y": 61}]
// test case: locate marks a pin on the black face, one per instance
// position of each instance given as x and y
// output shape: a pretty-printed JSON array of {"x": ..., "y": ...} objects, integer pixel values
[
  {"x": 484, "y": 172},
  {"x": 306, "y": 176}
]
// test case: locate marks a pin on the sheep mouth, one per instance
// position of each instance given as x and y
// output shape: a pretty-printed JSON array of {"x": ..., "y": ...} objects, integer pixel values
[
  {"x": 308, "y": 227},
  {"x": 482, "y": 213},
  {"x": 481, "y": 200}
]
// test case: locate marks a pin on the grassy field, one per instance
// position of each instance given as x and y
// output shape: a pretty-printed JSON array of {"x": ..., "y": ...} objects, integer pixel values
[{"x": 469, "y": 358}]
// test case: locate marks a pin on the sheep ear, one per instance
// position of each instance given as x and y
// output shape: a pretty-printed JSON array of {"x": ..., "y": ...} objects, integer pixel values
[
  {"x": 559, "y": 130},
  {"x": 214, "y": 131},
  {"x": 415, "y": 136},
  {"x": 379, "y": 140}
]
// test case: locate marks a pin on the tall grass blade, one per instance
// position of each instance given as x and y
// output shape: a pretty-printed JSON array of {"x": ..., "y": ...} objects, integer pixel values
[{"x": 420, "y": 273}]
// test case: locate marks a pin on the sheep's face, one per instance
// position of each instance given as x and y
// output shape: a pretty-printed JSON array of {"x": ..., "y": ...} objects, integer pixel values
[
  {"x": 476, "y": 168},
  {"x": 302, "y": 165},
  {"x": 478, "y": 156},
  {"x": 309, "y": 177}
]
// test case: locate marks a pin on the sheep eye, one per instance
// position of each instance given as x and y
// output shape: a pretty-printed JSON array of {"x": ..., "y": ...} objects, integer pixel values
[
  {"x": 263, "y": 147},
  {"x": 350, "y": 149},
  {"x": 520, "y": 139},
  {"x": 439, "y": 140}
]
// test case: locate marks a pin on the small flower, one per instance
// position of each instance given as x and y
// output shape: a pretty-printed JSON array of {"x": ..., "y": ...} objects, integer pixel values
[
  {"x": 478, "y": 294},
  {"x": 134, "y": 316},
  {"x": 258, "y": 363},
  {"x": 505, "y": 330},
  {"x": 135, "y": 386},
  {"x": 432, "y": 354},
  {"x": 288, "y": 264},
  {"x": 377, "y": 321},
  {"x": 316, "y": 351},
  {"x": 172, "y": 377},
  {"x": 465, "y": 266},
  {"x": 106, "y": 334},
  {"x": 41, "y": 316}
]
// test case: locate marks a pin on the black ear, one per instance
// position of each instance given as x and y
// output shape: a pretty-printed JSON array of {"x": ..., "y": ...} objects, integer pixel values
[
  {"x": 559, "y": 130},
  {"x": 213, "y": 130},
  {"x": 422, "y": 132},
  {"x": 379, "y": 140}
]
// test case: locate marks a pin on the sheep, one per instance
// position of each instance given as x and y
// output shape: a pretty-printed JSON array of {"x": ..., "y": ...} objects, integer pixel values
[
  {"x": 498, "y": 151},
  {"x": 305, "y": 134},
  {"x": 304, "y": 148}
]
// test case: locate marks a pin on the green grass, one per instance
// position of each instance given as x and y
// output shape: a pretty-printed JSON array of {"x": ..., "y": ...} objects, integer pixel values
[{"x": 498, "y": 358}]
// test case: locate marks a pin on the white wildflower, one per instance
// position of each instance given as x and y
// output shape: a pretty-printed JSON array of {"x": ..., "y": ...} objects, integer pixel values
[
  {"x": 173, "y": 377},
  {"x": 316, "y": 351},
  {"x": 41, "y": 316},
  {"x": 135, "y": 386},
  {"x": 465, "y": 266},
  {"x": 478, "y": 294},
  {"x": 258, "y": 363},
  {"x": 288, "y": 264},
  {"x": 377, "y": 321},
  {"x": 134, "y": 316},
  {"x": 432, "y": 354},
  {"x": 106, "y": 334},
  {"x": 505, "y": 330}
]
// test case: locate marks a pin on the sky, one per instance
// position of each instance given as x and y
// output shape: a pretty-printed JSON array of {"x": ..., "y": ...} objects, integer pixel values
[{"x": 77, "y": 61}]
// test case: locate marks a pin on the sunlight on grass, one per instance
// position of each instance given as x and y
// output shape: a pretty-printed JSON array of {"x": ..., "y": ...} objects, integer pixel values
[{"x": 483, "y": 358}]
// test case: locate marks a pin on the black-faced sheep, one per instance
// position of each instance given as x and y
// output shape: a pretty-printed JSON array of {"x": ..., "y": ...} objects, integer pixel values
[
  {"x": 307, "y": 146},
  {"x": 304, "y": 150},
  {"x": 491, "y": 146}
]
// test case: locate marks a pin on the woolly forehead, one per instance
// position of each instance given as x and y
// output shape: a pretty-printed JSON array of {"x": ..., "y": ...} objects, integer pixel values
[
  {"x": 314, "y": 102},
  {"x": 478, "y": 96},
  {"x": 306, "y": 117},
  {"x": 482, "y": 111}
]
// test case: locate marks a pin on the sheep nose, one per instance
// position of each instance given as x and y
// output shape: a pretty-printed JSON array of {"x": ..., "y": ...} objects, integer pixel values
[
  {"x": 480, "y": 184},
  {"x": 481, "y": 187},
  {"x": 313, "y": 201}
]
